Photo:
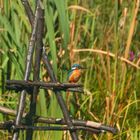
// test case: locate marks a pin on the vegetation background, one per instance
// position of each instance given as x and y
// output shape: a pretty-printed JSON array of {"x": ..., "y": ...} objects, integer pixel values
[{"x": 103, "y": 36}]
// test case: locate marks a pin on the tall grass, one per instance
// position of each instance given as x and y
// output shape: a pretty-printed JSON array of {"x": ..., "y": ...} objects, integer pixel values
[{"x": 99, "y": 35}]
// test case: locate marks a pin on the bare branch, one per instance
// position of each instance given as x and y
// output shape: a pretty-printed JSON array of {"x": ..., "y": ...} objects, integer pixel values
[
  {"x": 38, "y": 55},
  {"x": 42, "y": 84},
  {"x": 27, "y": 74},
  {"x": 60, "y": 121}
]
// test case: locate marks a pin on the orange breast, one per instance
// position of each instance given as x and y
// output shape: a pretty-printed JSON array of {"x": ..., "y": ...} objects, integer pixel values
[{"x": 75, "y": 76}]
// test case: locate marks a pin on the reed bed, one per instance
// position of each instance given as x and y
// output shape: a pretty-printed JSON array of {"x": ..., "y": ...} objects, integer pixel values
[{"x": 100, "y": 35}]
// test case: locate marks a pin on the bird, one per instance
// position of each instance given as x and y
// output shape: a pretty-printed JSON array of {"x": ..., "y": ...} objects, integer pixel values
[{"x": 74, "y": 73}]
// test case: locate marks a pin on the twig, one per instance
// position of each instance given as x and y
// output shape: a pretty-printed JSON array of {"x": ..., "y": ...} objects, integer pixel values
[
  {"x": 30, "y": 89},
  {"x": 9, "y": 126},
  {"x": 7, "y": 111},
  {"x": 86, "y": 124},
  {"x": 56, "y": 128},
  {"x": 107, "y": 53}
]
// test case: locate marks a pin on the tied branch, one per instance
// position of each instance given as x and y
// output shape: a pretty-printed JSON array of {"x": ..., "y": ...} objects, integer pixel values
[
  {"x": 9, "y": 126},
  {"x": 87, "y": 125},
  {"x": 28, "y": 85}
]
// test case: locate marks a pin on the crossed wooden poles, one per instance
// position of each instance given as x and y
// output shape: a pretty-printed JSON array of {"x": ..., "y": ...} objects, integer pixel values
[{"x": 32, "y": 87}]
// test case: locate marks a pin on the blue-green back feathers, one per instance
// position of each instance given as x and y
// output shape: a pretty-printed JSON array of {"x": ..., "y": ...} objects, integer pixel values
[{"x": 74, "y": 66}]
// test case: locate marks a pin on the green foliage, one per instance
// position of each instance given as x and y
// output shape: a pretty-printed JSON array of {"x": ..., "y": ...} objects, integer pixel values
[{"x": 100, "y": 36}]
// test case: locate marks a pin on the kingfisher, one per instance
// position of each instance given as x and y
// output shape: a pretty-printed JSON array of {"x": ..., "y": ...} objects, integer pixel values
[{"x": 74, "y": 73}]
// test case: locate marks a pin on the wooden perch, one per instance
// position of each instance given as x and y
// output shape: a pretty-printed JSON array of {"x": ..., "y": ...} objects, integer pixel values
[
  {"x": 42, "y": 84},
  {"x": 19, "y": 85}
]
